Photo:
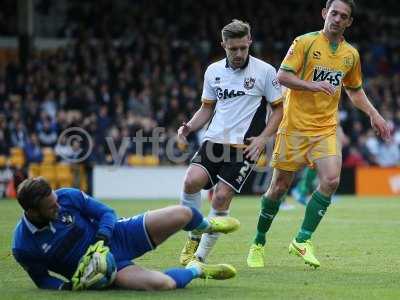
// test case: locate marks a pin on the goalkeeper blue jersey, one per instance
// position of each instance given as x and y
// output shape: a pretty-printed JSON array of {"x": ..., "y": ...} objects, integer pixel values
[{"x": 59, "y": 246}]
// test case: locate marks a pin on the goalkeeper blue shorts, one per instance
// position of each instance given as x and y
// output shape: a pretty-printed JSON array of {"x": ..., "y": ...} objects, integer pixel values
[{"x": 130, "y": 240}]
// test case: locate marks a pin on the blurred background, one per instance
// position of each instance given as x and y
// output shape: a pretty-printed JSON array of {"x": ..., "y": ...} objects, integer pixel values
[{"x": 120, "y": 69}]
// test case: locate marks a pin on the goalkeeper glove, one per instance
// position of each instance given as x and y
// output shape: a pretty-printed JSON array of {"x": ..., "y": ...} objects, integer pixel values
[{"x": 96, "y": 268}]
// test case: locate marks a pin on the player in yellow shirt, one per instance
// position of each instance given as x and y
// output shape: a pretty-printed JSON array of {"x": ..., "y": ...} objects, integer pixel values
[{"x": 314, "y": 70}]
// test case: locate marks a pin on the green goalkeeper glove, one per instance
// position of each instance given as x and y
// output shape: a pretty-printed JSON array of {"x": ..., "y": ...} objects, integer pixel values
[{"x": 96, "y": 268}]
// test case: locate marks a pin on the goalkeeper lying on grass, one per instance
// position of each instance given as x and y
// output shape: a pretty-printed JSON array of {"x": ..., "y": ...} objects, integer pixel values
[{"x": 71, "y": 234}]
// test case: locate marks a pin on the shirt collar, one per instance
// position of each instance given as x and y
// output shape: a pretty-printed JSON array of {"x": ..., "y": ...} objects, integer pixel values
[
  {"x": 33, "y": 229},
  {"x": 342, "y": 39},
  {"x": 243, "y": 67}
]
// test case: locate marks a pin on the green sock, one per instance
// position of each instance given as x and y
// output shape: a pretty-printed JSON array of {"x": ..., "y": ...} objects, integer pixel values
[
  {"x": 315, "y": 210},
  {"x": 311, "y": 174},
  {"x": 269, "y": 209},
  {"x": 305, "y": 185}
]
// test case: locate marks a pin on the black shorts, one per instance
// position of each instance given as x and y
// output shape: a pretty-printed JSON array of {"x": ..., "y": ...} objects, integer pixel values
[{"x": 225, "y": 163}]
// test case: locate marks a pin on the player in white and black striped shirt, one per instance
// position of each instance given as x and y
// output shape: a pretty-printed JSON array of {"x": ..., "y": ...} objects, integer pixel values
[{"x": 236, "y": 93}]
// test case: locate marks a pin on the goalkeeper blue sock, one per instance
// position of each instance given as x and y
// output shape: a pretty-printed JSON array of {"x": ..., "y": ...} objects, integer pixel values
[
  {"x": 182, "y": 276},
  {"x": 197, "y": 222}
]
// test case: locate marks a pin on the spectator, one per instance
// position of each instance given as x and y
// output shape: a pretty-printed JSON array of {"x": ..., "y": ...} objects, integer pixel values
[
  {"x": 135, "y": 72},
  {"x": 389, "y": 154},
  {"x": 47, "y": 134},
  {"x": 4, "y": 144},
  {"x": 372, "y": 143},
  {"x": 354, "y": 158},
  {"x": 49, "y": 105},
  {"x": 33, "y": 152},
  {"x": 137, "y": 105},
  {"x": 63, "y": 150},
  {"x": 19, "y": 135}
]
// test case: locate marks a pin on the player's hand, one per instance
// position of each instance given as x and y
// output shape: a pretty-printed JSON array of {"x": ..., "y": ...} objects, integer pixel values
[
  {"x": 322, "y": 86},
  {"x": 91, "y": 268},
  {"x": 380, "y": 126},
  {"x": 183, "y": 132},
  {"x": 255, "y": 148}
]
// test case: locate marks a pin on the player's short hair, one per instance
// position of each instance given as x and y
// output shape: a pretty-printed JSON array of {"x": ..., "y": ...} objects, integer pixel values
[
  {"x": 350, "y": 3},
  {"x": 235, "y": 29},
  {"x": 31, "y": 191}
]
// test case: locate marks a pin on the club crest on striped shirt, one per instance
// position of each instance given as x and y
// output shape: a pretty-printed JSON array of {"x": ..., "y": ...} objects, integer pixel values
[{"x": 249, "y": 83}]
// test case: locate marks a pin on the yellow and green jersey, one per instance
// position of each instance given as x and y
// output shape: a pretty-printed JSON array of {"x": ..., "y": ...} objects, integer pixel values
[{"x": 313, "y": 58}]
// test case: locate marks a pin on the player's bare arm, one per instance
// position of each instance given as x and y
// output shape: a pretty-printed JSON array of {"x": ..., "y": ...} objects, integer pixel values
[
  {"x": 378, "y": 123},
  {"x": 199, "y": 119},
  {"x": 291, "y": 81},
  {"x": 257, "y": 144}
]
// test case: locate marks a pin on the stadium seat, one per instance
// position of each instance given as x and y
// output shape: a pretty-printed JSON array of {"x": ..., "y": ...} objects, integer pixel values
[
  {"x": 48, "y": 171},
  {"x": 48, "y": 155},
  {"x": 16, "y": 151},
  {"x": 64, "y": 175},
  {"x": 135, "y": 160},
  {"x": 3, "y": 161},
  {"x": 17, "y": 157},
  {"x": 151, "y": 160},
  {"x": 33, "y": 170},
  {"x": 83, "y": 180}
]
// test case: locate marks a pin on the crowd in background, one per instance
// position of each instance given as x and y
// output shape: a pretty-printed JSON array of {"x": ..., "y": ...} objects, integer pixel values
[{"x": 139, "y": 65}]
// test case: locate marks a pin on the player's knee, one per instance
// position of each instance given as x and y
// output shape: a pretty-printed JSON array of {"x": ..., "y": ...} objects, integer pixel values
[
  {"x": 330, "y": 182},
  {"x": 162, "y": 284},
  {"x": 169, "y": 285},
  {"x": 181, "y": 214},
  {"x": 277, "y": 190},
  {"x": 221, "y": 200},
  {"x": 165, "y": 285},
  {"x": 191, "y": 184}
]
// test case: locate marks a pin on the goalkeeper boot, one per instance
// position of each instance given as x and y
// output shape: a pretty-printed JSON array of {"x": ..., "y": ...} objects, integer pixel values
[
  {"x": 223, "y": 225},
  {"x": 255, "y": 259},
  {"x": 304, "y": 250},
  {"x": 218, "y": 271},
  {"x": 188, "y": 251}
]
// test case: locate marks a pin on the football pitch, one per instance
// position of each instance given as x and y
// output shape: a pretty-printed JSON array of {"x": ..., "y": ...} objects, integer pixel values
[{"x": 357, "y": 244}]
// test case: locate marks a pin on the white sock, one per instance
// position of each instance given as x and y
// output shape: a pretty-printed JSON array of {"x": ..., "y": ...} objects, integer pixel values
[
  {"x": 208, "y": 240},
  {"x": 192, "y": 200}
]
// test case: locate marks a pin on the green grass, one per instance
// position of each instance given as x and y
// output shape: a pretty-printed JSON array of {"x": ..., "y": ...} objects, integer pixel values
[{"x": 357, "y": 245}]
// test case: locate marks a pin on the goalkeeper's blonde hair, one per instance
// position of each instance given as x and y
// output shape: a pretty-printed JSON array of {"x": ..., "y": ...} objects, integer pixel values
[{"x": 31, "y": 191}]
